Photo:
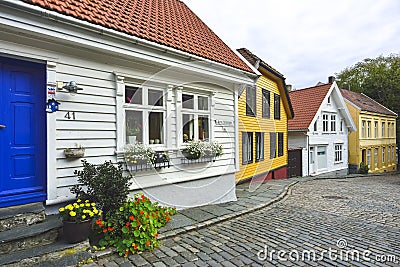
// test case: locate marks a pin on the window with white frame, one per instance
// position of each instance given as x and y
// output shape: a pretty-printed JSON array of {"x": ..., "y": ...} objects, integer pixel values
[
  {"x": 376, "y": 130},
  {"x": 251, "y": 101},
  {"x": 341, "y": 125},
  {"x": 388, "y": 128},
  {"x": 325, "y": 123},
  {"x": 383, "y": 156},
  {"x": 315, "y": 126},
  {"x": 338, "y": 153},
  {"x": 388, "y": 155},
  {"x": 144, "y": 115},
  {"x": 195, "y": 117},
  {"x": 376, "y": 158},
  {"x": 393, "y": 155},
  {"x": 333, "y": 123}
]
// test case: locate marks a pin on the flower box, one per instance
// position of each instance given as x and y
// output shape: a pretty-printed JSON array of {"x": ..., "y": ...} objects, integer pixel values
[{"x": 74, "y": 152}]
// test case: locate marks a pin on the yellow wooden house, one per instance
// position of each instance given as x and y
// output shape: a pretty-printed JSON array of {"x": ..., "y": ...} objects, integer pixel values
[
  {"x": 374, "y": 143},
  {"x": 264, "y": 111}
]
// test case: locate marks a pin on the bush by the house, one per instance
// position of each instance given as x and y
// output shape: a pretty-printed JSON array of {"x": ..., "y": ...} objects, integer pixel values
[
  {"x": 104, "y": 184},
  {"x": 363, "y": 168}
]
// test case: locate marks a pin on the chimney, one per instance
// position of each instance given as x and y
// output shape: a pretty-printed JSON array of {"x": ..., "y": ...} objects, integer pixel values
[
  {"x": 331, "y": 79},
  {"x": 289, "y": 87}
]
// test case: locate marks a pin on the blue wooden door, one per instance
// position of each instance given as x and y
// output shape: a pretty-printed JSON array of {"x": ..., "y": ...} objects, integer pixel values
[{"x": 22, "y": 132}]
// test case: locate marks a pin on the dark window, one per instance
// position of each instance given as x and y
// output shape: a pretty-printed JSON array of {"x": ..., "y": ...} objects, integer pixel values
[
  {"x": 259, "y": 146},
  {"x": 247, "y": 147},
  {"x": 187, "y": 101},
  {"x": 133, "y": 95},
  {"x": 277, "y": 107},
  {"x": 280, "y": 144},
  {"x": 265, "y": 104},
  {"x": 272, "y": 145},
  {"x": 251, "y": 101}
]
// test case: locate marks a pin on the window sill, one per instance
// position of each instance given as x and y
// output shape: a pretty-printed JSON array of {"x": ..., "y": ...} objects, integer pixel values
[{"x": 338, "y": 162}]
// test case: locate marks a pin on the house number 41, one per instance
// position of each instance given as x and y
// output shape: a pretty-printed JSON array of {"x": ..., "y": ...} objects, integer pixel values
[{"x": 70, "y": 115}]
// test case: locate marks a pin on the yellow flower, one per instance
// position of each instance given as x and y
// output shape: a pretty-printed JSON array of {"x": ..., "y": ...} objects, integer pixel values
[
  {"x": 72, "y": 213},
  {"x": 83, "y": 217},
  {"x": 91, "y": 214},
  {"x": 61, "y": 209},
  {"x": 95, "y": 211},
  {"x": 87, "y": 204},
  {"x": 93, "y": 204},
  {"x": 86, "y": 201},
  {"x": 78, "y": 200},
  {"x": 76, "y": 205},
  {"x": 81, "y": 205},
  {"x": 100, "y": 212},
  {"x": 69, "y": 207}
]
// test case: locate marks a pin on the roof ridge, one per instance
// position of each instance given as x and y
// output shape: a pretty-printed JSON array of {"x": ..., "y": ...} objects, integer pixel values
[{"x": 376, "y": 102}]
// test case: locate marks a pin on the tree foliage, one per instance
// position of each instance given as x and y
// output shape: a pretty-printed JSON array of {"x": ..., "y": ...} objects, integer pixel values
[{"x": 378, "y": 78}]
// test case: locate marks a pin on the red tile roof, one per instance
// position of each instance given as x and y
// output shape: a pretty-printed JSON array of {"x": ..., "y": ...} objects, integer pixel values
[
  {"x": 167, "y": 22},
  {"x": 366, "y": 103},
  {"x": 305, "y": 103}
]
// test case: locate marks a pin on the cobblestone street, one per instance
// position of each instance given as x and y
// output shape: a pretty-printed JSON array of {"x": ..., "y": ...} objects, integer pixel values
[{"x": 359, "y": 215}]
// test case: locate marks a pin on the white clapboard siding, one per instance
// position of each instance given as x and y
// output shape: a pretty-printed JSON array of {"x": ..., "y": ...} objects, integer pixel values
[{"x": 76, "y": 134}]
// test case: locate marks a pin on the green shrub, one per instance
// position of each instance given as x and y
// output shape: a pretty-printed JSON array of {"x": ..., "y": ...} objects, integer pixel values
[
  {"x": 104, "y": 184},
  {"x": 363, "y": 168},
  {"x": 134, "y": 226}
]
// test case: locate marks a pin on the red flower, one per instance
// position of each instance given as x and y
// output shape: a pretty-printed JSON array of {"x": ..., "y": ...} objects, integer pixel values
[
  {"x": 104, "y": 230},
  {"x": 147, "y": 216},
  {"x": 143, "y": 197},
  {"x": 148, "y": 243},
  {"x": 141, "y": 212},
  {"x": 131, "y": 218},
  {"x": 156, "y": 235},
  {"x": 126, "y": 253},
  {"x": 167, "y": 218},
  {"x": 127, "y": 224}
]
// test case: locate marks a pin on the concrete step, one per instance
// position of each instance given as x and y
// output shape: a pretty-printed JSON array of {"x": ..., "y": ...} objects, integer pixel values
[
  {"x": 30, "y": 236},
  {"x": 59, "y": 254},
  {"x": 20, "y": 216}
]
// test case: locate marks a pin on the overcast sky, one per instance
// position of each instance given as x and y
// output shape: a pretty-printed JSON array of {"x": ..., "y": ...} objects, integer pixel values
[{"x": 305, "y": 40}]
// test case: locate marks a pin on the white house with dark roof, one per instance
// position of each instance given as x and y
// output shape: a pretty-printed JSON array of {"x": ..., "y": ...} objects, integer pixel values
[
  {"x": 157, "y": 79},
  {"x": 320, "y": 130}
]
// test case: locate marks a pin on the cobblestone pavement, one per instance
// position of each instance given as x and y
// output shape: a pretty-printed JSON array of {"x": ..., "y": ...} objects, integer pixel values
[{"x": 359, "y": 215}]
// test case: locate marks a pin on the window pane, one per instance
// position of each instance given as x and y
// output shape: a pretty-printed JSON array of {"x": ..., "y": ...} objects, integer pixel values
[
  {"x": 155, "y": 98},
  {"x": 156, "y": 122},
  {"x": 277, "y": 107},
  {"x": 272, "y": 142},
  {"x": 133, "y": 95},
  {"x": 280, "y": 144},
  {"x": 265, "y": 103},
  {"x": 259, "y": 146},
  {"x": 204, "y": 128},
  {"x": 134, "y": 127},
  {"x": 247, "y": 147},
  {"x": 187, "y": 101},
  {"x": 251, "y": 101},
  {"x": 203, "y": 102},
  {"x": 188, "y": 127}
]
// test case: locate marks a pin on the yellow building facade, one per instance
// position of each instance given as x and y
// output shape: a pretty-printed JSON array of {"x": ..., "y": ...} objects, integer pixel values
[
  {"x": 374, "y": 142},
  {"x": 264, "y": 111}
]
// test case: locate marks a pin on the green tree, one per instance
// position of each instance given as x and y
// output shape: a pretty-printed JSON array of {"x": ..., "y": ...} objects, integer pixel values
[{"x": 378, "y": 78}]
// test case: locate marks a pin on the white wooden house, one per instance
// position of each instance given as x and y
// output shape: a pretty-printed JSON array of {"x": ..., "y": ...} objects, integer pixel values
[
  {"x": 160, "y": 66},
  {"x": 320, "y": 129}
]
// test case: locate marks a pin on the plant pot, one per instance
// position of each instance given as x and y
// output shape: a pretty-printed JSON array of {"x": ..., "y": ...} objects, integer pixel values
[
  {"x": 94, "y": 238},
  {"x": 74, "y": 152},
  {"x": 132, "y": 139},
  {"x": 75, "y": 232},
  {"x": 189, "y": 156}
]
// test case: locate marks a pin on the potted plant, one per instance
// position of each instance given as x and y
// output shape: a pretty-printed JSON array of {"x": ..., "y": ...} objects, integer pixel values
[
  {"x": 77, "y": 220},
  {"x": 194, "y": 150},
  {"x": 138, "y": 154},
  {"x": 133, "y": 128},
  {"x": 74, "y": 152},
  {"x": 212, "y": 149}
]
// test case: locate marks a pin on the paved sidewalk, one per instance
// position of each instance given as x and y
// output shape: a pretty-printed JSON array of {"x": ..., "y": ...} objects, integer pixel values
[{"x": 249, "y": 198}]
